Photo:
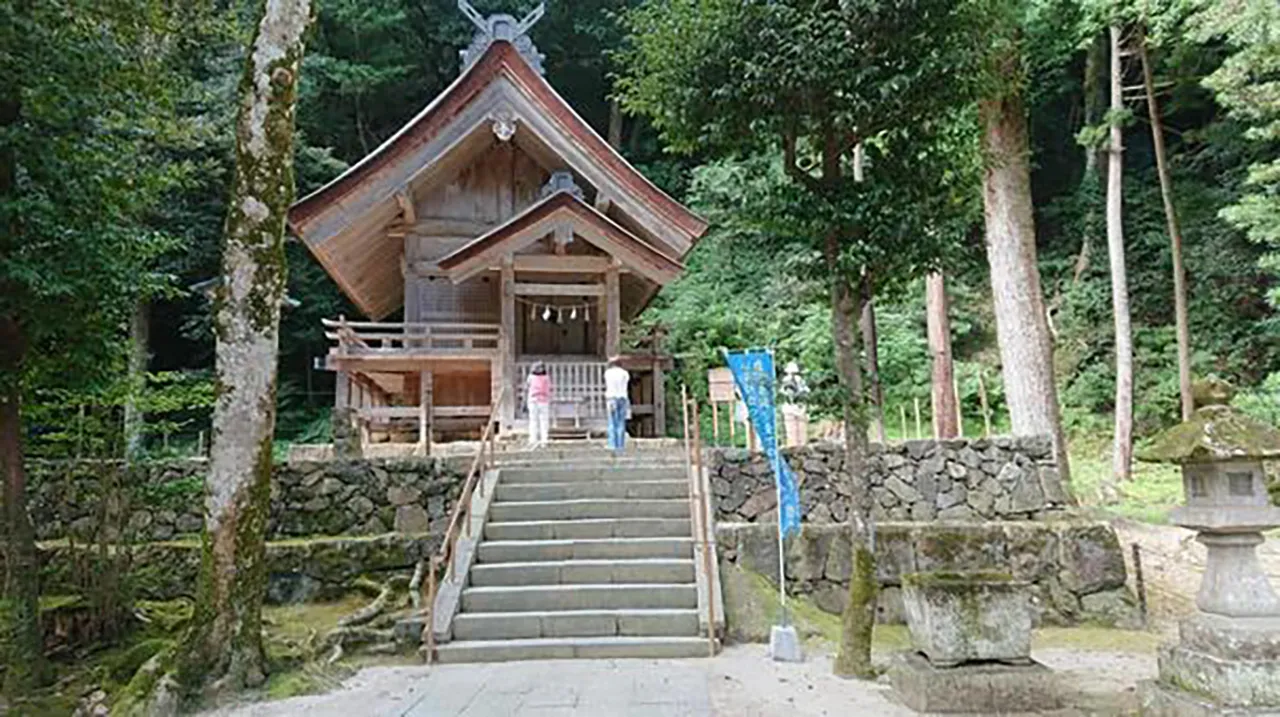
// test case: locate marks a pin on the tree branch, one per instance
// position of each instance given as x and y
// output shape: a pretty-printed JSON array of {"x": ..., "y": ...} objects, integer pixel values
[{"x": 790, "y": 164}]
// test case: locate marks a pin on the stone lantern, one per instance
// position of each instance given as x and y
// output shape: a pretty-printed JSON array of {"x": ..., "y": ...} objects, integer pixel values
[{"x": 1227, "y": 659}]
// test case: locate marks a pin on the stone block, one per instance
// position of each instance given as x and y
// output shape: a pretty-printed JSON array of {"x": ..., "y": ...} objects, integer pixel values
[
  {"x": 1032, "y": 550},
  {"x": 889, "y": 606},
  {"x": 807, "y": 552},
  {"x": 1158, "y": 700},
  {"x": 956, "y": 618},
  {"x": 1228, "y": 682},
  {"x": 957, "y": 512},
  {"x": 990, "y": 688},
  {"x": 1091, "y": 558},
  {"x": 1111, "y": 608},
  {"x": 1255, "y": 638},
  {"x": 895, "y": 553},
  {"x": 411, "y": 519},
  {"x": 961, "y": 548},
  {"x": 839, "y": 558}
]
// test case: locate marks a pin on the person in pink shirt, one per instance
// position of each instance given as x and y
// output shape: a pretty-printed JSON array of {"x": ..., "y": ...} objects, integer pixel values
[{"x": 538, "y": 391}]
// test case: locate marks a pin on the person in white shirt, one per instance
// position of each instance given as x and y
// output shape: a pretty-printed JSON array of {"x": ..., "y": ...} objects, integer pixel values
[{"x": 616, "y": 379}]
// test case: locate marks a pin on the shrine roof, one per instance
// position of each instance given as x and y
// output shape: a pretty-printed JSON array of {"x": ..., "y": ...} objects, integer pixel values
[
  {"x": 562, "y": 209},
  {"x": 419, "y": 147}
]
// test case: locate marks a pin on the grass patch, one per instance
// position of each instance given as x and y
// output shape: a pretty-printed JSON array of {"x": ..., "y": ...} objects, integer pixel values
[{"x": 1156, "y": 488}]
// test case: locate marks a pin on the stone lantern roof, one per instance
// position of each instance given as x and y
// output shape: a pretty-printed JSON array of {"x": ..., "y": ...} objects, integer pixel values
[{"x": 1215, "y": 432}]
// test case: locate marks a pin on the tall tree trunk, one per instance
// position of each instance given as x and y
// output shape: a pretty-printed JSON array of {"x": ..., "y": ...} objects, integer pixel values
[
  {"x": 24, "y": 653},
  {"x": 1175, "y": 236},
  {"x": 139, "y": 355},
  {"x": 615, "y": 125},
  {"x": 871, "y": 344},
  {"x": 1122, "y": 450},
  {"x": 1026, "y": 352},
  {"x": 858, "y": 620},
  {"x": 223, "y": 649},
  {"x": 938, "y": 327}
]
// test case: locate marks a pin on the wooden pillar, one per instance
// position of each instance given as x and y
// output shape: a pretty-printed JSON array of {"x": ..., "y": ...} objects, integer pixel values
[
  {"x": 613, "y": 311},
  {"x": 426, "y": 421},
  {"x": 660, "y": 402},
  {"x": 507, "y": 344}
]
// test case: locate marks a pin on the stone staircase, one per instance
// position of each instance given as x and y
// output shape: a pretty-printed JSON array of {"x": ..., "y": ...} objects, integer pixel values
[{"x": 582, "y": 555}]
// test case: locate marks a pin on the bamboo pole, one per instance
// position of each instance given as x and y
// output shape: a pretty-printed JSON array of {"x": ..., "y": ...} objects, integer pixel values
[
  {"x": 986, "y": 408},
  {"x": 919, "y": 430},
  {"x": 902, "y": 414},
  {"x": 715, "y": 423},
  {"x": 955, "y": 391}
]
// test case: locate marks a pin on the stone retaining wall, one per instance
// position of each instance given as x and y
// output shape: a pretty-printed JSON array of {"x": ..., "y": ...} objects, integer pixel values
[
  {"x": 1076, "y": 568},
  {"x": 164, "y": 499},
  {"x": 999, "y": 478},
  {"x": 297, "y": 570}
]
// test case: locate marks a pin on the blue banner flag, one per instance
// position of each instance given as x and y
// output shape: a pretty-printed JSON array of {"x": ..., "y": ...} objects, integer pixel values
[{"x": 755, "y": 377}]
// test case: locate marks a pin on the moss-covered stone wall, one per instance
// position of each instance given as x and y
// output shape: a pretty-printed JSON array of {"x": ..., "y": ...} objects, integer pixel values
[
  {"x": 1076, "y": 568},
  {"x": 163, "y": 500},
  {"x": 297, "y": 570},
  {"x": 1001, "y": 478}
]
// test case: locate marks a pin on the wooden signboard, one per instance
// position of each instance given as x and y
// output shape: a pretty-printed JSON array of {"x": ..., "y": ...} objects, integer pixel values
[
  {"x": 721, "y": 382},
  {"x": 721, "y": 388}
]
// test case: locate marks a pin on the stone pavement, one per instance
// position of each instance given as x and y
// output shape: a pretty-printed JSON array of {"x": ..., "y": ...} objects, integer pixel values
[{"x": 543, "y": 688}]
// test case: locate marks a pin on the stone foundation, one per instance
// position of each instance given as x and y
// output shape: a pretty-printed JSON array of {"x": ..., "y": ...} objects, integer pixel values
[
  {"x": 1000, "y": 478},
  {"x": 1075, "y": 569},
  {"x": 979, "y": 688},
  {"x": 164, "y": 499}
]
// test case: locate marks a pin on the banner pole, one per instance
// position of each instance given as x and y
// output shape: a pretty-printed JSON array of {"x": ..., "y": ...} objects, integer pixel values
[{"x": 777, "y": 489}]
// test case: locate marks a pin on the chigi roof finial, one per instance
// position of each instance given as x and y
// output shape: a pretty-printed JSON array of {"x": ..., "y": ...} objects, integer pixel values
[{"x": 502, "y": 27}]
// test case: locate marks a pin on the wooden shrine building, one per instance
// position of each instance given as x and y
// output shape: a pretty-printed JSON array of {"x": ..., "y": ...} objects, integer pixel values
[{"x": 503, "y": 231}]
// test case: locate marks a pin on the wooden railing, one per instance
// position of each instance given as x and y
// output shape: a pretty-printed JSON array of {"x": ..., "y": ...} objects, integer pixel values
[
  {"x": 459, "y": 523},
  {"x": 576, "y": 384},
  {"x": 700, "y": 515},
  {"x": 371, "y": 338}
]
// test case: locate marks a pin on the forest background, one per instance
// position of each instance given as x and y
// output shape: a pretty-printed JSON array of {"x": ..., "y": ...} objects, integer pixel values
[{"x": 372, "y": 64}]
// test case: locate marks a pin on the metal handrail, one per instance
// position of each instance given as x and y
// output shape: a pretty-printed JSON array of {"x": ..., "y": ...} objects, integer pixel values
[
  {"x": 699, "y": 506},
  {"x": 447, "y": 553}
]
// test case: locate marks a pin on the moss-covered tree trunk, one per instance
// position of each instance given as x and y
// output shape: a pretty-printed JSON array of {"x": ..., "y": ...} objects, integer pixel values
[
  {"x": 25, "y": 666},
  {"x": 223, "y": 650},
  {"x": 858, "y": 621}
]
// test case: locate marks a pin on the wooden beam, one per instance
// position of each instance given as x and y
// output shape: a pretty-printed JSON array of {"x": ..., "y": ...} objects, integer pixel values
[
  {"x": 405, "y": 200},
  {"x": 659, "y": 402},
  {"x": 546, "y": 263},
  {"x": 613, "y": 311},
  {"x": 426, "y": 398},
  {"x": 507, "y": 356},
  {"x": 561, "y": 289},
  {"x": 603, "y": 202}
]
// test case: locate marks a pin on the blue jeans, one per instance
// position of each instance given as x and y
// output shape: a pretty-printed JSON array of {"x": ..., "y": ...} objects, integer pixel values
[{"x": 618, "y": 408}]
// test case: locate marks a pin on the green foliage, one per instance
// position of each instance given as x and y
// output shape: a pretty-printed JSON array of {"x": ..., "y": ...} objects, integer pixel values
[
  {"x": 68, "y": 423},
  {"x": 1246, "y": 83}
]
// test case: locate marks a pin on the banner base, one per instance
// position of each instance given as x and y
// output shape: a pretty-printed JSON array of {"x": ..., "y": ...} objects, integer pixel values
[{"x": 784, "y": 644}]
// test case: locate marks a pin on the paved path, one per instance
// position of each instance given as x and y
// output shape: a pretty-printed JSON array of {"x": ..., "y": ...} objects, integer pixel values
[{"x": 741, "y": 682}]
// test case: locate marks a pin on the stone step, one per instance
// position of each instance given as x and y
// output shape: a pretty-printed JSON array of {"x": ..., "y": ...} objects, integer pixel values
[
  {"x": 550, "y": 648},
  {"x": 524, "y": 551},
  {"x": 577, "y": 490},
  {"x": 588, "y": 472},
  {"x": 574, "y": 623},
  {"x": 537, "y": 598},
  {"x": 588, "y": 508},
  {"x": 564, "y": 572},
  {"x": 589, "y": 528}
]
